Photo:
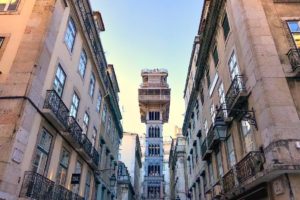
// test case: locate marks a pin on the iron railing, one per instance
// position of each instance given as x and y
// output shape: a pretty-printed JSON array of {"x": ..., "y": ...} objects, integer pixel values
[
  {"x": 86, "y": 144},
  {"x": 294, "y": 57},
  {"x": 36, "y": 186},
  {"x": 57, "y": 106},
  {"x": 228, "y": 181},
  {"x": 95, "y": 157},
  {"x": 212, "y": 138},
  {"x": 75, "y": 130},
  {"x": 249, "y": 166},
  {"x": 236, "y": 88},
  {"x": 204, "y": 150}
]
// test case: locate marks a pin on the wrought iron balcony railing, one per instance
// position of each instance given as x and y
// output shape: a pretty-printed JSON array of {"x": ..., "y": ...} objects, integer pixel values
[
  {"x": 95, "y": 157},
  {"x": 74, "y": 132},
  {"x": 235, "y": 93},
  {"x": 36, "y": 186},
  {"x": 249, "y": 166},
  {"x": 86, "y": 145},
  {"x": 228, "y": 181},
  {"x": 205, "y": 152},
  {"x": 212, "y": 138},
  {"x": 294, "y": 57},
  {"x": 54, "y": 103}
]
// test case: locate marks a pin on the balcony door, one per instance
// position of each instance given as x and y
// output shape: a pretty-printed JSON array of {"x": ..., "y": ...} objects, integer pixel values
[{"x": 247, "y": 137}]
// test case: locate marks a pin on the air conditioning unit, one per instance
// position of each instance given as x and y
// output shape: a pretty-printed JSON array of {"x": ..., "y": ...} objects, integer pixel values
[{"x": 217, "y": 191}]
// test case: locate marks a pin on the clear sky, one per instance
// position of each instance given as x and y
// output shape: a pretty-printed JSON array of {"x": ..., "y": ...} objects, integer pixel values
[{"x": 149, "y": 34}]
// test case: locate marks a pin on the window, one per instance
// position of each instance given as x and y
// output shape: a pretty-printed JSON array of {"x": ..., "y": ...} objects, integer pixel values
[
  {"x": 221, "y": 93},
  {"x": 219, "y": 164},
  {"x": 205, "y": 127},
  {"x": 42, "y": 152},
  {"x": 63, "y": 167},
  {"x": 233, "y": 66},
  {"x": 9, "y": 5},
  {"x": 70, "y": 34},
  {"x": 230, "y": 151},
  {"x": 248, "y": 136},
  {"x": 108, "y": 129},
  {"x": 74, "y": 105},
  {"x": 207, "y": 78},
  {"x": 154, "y": 116},
  {"x": 226, "y": 27},
  {"x": 59, "y": 80},
  {"x": 98, "y": 104},
  {"x": 94, "y": 135},
  {"x": 201, "y": 96},
  {"x": 212, "y": 113},
  {"x": 82, "y": 63},
  {"x": 87, "y": 186},
  {"x": 104, "y": 113},
  {"x": 294, "y": 27},
  {"x": 92, "y": 85},
  {"x": 85, "y": 126},
  {"x": 211, "y": 173},
  {"x": 1, "y": 41},
  {"x": 216, "y": 56},
  {"x": 78, "y": 170}
]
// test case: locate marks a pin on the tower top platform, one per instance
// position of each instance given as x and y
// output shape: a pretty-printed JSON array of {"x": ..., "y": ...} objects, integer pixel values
[{"x": 154, "y": 93}]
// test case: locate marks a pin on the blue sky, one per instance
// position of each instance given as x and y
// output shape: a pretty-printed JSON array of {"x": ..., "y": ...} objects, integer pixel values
[{"x": 149, "y": 34}]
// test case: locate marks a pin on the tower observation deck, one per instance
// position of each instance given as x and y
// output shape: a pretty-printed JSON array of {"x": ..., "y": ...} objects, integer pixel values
[{"x": 154, "y": 103}]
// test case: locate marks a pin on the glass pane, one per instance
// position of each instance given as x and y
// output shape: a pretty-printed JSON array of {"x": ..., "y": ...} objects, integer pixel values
[
  {"x": 39, "y": 162},
  {"x": 294, "y": 26},
  {"x": 296, "y": 37},
  {"x": 45, "y": 141},
  {"x": 226, "y": 27},
  {"x": 65, "y": 158},
  {"x": 61, "y": 175},
  {"x": 13, "y": 5}
]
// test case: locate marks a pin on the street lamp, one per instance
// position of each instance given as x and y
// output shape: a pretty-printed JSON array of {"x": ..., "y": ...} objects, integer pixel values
[{"x": 220, "y": 128}]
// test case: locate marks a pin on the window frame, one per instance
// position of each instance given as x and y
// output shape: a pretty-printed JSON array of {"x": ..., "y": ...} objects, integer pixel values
[
  {"x": 62, "y": 166},
  {"x": 48, "y": 154},
  {"x": 292, "y": 32},
  {"x": 77, "y": 108},
  {"x": 68, "y": 32},
  {"x": 226, "y": 33},
  {"x": 56, "y": 78},
  {"x": 215, "y": 55},
  {"x": 83, "y": 60},
  {"x": 92, "y": 85},
  {"x": 8, "y": 4},
  {"x": 86, "y": 121}
]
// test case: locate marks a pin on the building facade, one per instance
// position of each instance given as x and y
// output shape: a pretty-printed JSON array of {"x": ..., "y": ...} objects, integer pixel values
[
  {"x": 242, "y": 114},
  {"x": 125, "y": 190},
  {"x": 60, "y": 120},
  {"x": 154, "y": 102},
  {"x": 166, "y": 168},
  {"x": 131, "y": 156},
  {"x": 178, "y": 168}
]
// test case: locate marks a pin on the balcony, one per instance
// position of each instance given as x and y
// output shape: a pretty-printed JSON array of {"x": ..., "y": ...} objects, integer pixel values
[
  {"x": 236, "y": 94},
  {"x": 154, "y": 95},
  {"x": 36, "y": 186},
  {"x": 212, "y": 138},
  {"x": 294, "y": 57},
  {"x": 88, "y": 151},
  {"x": 55, "y": 109},
  {"x": 228, "y": 181},
  {"x": 73, "y": 133},
  {"x": 249, "y": 166},
  {"x": 154, "y": 178},
  {"x": 204, "y": 151}
]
